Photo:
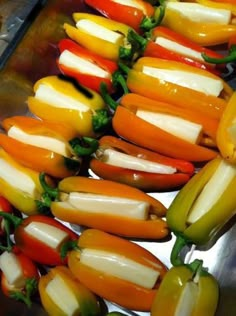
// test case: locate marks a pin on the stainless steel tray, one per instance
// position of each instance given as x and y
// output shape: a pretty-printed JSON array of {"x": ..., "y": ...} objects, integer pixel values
[{"x": 17, "y": 16}]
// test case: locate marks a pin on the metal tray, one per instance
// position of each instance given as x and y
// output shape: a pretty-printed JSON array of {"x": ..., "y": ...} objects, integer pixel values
[{"x": 17, "y": 16}]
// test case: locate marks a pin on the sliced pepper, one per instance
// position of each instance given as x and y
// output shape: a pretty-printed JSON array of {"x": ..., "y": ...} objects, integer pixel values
[
  {"x": 191, "y": 290},
  {"x": 138, "y": 14},
  {"x": 110, "y": 206},
  {"x": 204, "y": 30},
  {"x": 93, "y": 31},
  {"x": 41, "y": 238},
  {"x": 61, "y": 100},
  {"x": 179, "y": 84},
  {"x": 162, "y": 42},
  {"x": 20, "y": 275},
  {"x": 203, "y": 206},
  {"x": 130, "y": 274},
  {"x": 62, "y": 294},
  {"x": 44, "y": 146},
  {"x": 226, "y": 140},
  {"x": 120, "y": 161}
]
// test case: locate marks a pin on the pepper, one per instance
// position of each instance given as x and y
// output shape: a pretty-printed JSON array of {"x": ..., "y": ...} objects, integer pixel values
[
  {"x": 45, "y": 146},
  {"x": 162, "y": 82},
  {"x": 190, "y": 289},
  {"x": 130, "y": 274},
  {"x": 62, "y": 294},
  {"x": 94, "y": 31},
  {"x": 145, "y": 134},
  {"x": 5, "y": 206},
  {"x": 226, "y": 131},
  {"x": 88, "y": 68},
  {"x": 221, "y": 4},
  {"x": 41, "y": 238},
  {"x": 203, "y": 206},
  {"x": 203, "y": 28},
  {"x": 62, "y": 100},
  {"x": 20, "y": 185},
  {"x": 120, "y": 161},
  {"x": 110, "y": 206},
  {"x": 137, "y": 14},
  {"x": 162, "y": 42},
  {"x": 20, "y": 275}
]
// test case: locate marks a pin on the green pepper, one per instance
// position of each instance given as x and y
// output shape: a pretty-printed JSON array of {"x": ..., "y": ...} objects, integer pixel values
[
  {"x": 203, "y": 206},
  {"x": 186, "y": 290}
]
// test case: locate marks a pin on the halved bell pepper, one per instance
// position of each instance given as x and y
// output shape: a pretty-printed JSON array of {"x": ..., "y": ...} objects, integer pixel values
[
  {"x": 226, "y": 139},
  {"x": 19, "y": 185},
  {"x": 146, "y": 134},
  {"x": 42, "y": 238},
  {"x": 116, "y": 269},
  {"x": 162, "y": 42},
  {"x": 179, "y": 84},
  {"x": 45, "y": 146},
  {"x": 62, "y": 294},
  {"x": 19, "y": 277},
  {"x": 138, "y": 14},
  {"x": 120, "y": 161},
  {"x": 110, "y": 206},
  {"x": 198, "y": 22},
  {"x": 100, "y": 35},
  {"x": 88, "y": 68},
  {"x": 187, "y": 290},
  {"x": 203, "y": 206},
  {"x": 62, "y": 100}
]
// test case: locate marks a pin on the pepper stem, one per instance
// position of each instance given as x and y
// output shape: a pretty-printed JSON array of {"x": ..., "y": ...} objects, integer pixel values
[
  {"x": 68, "y": 246},
  {"x": 119, "y": 80},
  {"x": 101, "y": 120},
  {"x": 84, "y": 146},
  {"x": 49, "y": 194},
  {"x": 149, "y": 23},
  {"x": 231, "y": 57},
  {"x": 140, "y": 41},
  {"x": 106, "y": 97},
  {"x": 9, "y": 219},
  {"x": 30, "y": 288},
  {"x": 52, "y": 192},
  {"x": 175, "y": 258}
]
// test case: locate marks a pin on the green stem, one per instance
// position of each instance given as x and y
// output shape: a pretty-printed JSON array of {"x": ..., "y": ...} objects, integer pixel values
[
  {"x": 30, "y": 288},
  {"x": 52, "y": 193},
  {"x": 175, "y": 258},
  {"x": 84, "y": 146},
  {"x": 149, "y": 23},
  {"x": 68, "y": 246},
  {"x": 101, "y": 120},
  {"x": 231, "y": 57},
  {"x": 107, "y": 98},
  {"x": 119, "y": 80},
  {"x": 137, "y": 40}
]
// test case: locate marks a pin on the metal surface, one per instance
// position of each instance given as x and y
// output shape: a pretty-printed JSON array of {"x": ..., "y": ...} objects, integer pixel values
[{"x": 220, "y": 258}]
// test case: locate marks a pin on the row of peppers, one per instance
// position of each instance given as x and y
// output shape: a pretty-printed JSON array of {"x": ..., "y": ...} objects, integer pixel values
[{"x": 68, "y": 185}]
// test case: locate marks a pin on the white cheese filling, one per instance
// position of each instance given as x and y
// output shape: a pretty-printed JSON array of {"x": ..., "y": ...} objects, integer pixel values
[
  {"x": 11, "y": 268},
  {"x": 187, "y": 299},
  {"x": 133, "y": 4}
]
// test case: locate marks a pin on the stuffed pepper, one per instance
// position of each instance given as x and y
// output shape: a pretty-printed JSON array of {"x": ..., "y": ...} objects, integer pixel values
[
  {"x": 93, "y": 32},
  {"x": 138, "y": 14},
  {"x": 41, "y": 238},
  {"x": 62, "y": 294},
  {"x": 203, "y": 206},
  {"x": 110, "y": 206},
  {"x": 120, "y": 161},
  {"x": 45, "y": 146},
  {"x": 130, "y": 274},
  {"x": 165, "y": 129},
  {"x": 191, "y": 290},
  {"x": 203, "y": 23},
  {"x": 180, "y": 84},
  {"x": 19, "y": 276},
  {"x": 62, "y": 100}
]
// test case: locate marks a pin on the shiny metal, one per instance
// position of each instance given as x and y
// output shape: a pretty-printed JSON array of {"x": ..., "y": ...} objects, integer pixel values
[{"x": 220, "y": 258}]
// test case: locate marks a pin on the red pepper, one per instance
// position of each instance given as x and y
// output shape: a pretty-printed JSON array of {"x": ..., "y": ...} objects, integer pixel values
[
  {"x": 33, "y": 236},
  {"x": 70, "y": 49},
  {"x": 21, "y": 283},
  {"x": 139, "y": 15},
  {"x": 147, "y": 181},
  {"x": 5, "y": 206},
  {"x": 165, "y": 43}
]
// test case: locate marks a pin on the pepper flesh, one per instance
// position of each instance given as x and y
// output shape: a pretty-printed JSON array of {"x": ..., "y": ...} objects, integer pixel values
[
  {"x": 139, "y": 179},
  {"x": 172, "y": 287},
  {"x": 115, "y": 289},
  {"x": 121, "y": 225},
  {"x": 84, "y": 300},
  {"x": 81, "y": 121}
]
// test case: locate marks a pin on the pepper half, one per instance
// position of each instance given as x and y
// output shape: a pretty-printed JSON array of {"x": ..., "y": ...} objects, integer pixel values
[
  {"x": 130, "y": 274},
  {"x": 191, "y": 290},
  {"x": 62, "y": 294},
  {"x": 120, "y": 161},
  {"x": 203, "y": 206},
  {"x": 62, "y": 100}
]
